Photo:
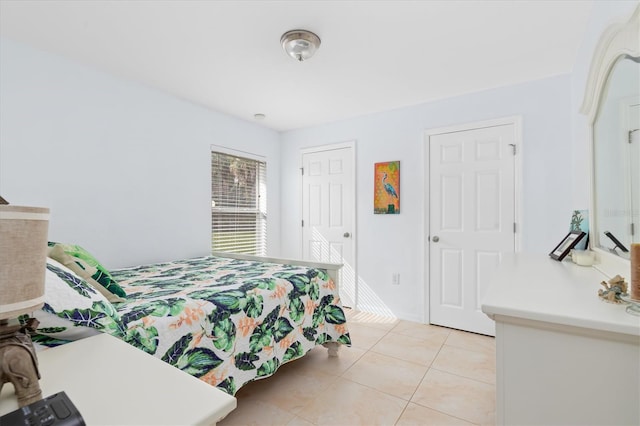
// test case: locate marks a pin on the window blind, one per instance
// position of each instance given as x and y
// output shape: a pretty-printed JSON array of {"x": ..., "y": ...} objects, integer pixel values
[{"x": 238, "y": 204}]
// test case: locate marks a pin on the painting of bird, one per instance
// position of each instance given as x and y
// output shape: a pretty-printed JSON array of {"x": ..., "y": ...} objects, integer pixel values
[
  {"x": 388, "y": 187},
  {"x": 386, "y": 199}
]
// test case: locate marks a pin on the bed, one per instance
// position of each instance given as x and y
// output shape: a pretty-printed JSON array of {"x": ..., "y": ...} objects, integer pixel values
[{"x": 227, "y": 321}]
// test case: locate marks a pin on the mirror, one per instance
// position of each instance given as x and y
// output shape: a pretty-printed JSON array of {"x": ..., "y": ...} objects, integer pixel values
[
  {"x": 616, "y": 158},
  {"x": 612, "y": 104}
]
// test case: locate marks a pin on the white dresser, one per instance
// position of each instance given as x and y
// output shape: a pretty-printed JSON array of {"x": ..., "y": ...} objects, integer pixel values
[{"x": 563, "y": 356}]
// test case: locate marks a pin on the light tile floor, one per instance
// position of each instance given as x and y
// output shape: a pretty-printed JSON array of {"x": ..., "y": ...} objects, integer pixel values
[{"x": 396, "y": 373}]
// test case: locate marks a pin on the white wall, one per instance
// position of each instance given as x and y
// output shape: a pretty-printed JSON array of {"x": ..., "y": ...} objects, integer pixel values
[
  {"x": 125, "y": 169},
  {"x": 395, "y": 243},
  {"x": 555, "y": 169}
]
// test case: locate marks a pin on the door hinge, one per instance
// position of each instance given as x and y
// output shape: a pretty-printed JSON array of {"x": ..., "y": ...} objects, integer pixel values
[
  {"x": 514, "y": 227},
  {"x": 630, "y": 133},
  {"x": 303, "y": 223},
  {"x": 633, "y": 228},
  {"x": 513, "y": 148},
  {"x": 302, "y": 171}
]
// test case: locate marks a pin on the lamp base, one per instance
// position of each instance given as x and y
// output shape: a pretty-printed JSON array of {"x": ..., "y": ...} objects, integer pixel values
[{"x": 18, "y": 361}]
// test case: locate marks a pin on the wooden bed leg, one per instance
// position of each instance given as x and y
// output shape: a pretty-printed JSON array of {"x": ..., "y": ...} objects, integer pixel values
[{"x": 333, "y": 348}]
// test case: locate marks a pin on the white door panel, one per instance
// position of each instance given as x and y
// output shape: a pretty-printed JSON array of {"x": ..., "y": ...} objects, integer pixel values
[
  {"x": 472, "y": 215},
  {"x": 633, "y": 132},
  {"x": 328, "y": 188}
]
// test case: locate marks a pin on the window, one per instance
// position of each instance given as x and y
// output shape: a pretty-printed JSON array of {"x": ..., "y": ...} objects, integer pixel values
[{"x": 238, "y": 204}]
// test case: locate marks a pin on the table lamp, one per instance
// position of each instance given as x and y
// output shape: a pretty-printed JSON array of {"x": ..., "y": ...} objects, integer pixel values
[{"x": 23, "y": 258}]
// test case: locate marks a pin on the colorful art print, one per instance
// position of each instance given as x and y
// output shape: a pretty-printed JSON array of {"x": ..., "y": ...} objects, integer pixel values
[
  {"x": 386, "y": 188},
  {"x": 580, "y": 222}
]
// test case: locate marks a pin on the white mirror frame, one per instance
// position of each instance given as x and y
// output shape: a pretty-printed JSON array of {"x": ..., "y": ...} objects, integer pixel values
[{"x": 618, "y": 40}]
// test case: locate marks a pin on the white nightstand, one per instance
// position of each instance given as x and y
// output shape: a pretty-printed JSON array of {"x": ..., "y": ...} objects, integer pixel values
[{"x": 113, "y": 383}]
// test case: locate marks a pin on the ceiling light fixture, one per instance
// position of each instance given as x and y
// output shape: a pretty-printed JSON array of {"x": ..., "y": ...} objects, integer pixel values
[{"x": 300, "y": 44}]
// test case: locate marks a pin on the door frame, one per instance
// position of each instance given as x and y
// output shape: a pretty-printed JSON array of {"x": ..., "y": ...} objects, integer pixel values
[
  {"x": 516, "y": 121},
  {"x": 354, "y": 233},
  {"x": 625, "y": 125}
]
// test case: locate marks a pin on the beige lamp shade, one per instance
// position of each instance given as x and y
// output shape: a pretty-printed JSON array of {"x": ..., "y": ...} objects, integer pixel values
[{"x": 23, "y": 258}]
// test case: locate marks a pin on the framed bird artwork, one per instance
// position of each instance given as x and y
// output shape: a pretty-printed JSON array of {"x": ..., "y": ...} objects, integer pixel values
[{"x": 386, "y": 189}]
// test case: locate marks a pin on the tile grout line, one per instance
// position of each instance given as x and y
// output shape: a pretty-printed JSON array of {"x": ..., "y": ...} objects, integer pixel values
[
  {"x": 420, "y": 382},
  {"x": 370, "y": 387},
  {"x": 339, "y": 376},
  {"x": 428, "y": 368},
  {"x": 461, "y": 375},
  {"x": 386, "y": 332},
  {"x": 425, "y": 375}
]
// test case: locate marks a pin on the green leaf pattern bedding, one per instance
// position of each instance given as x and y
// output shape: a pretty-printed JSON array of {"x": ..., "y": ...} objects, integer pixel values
[{"x": 229, "y": 321}]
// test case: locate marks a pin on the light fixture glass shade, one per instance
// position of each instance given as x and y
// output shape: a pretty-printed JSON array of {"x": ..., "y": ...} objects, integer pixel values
[
  {"x": 300, "y": 44},
  {"x": 23, "y": 258}
]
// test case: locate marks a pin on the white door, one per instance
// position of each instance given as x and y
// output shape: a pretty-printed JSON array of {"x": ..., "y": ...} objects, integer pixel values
[
  {"x": 633, "y": 135},
  {"x": 328, "y": 206},
  {"x": 472, "y": 221}
]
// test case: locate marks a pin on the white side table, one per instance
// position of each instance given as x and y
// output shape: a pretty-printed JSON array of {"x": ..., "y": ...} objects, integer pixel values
[{"x": 113, "y": 383}]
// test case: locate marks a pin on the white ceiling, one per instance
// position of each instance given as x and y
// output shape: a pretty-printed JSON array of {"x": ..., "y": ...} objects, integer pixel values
[{"x": 375, "y": 55}]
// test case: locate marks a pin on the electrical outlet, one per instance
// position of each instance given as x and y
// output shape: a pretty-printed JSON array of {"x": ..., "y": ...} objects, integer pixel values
[{"x": 395, "y": 278}]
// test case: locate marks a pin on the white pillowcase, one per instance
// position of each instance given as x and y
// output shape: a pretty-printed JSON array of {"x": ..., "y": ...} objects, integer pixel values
[{"x": 73, "y": 309}]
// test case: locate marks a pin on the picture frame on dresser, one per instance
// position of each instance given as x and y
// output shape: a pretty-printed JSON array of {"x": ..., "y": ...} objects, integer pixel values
[{"x": 564, "y": 247}]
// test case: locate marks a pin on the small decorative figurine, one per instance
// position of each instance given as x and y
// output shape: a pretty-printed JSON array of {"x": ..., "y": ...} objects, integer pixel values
[{"x": 615, "y": 288}]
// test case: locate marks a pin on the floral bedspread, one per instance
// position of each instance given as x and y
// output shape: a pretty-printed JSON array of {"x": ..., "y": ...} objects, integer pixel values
[{"x": 229, "y": 321}]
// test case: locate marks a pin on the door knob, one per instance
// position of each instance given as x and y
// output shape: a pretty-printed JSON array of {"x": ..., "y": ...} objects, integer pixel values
[
  {"x": 346, "y": 235},
  {"x": 435, "y": 239}
]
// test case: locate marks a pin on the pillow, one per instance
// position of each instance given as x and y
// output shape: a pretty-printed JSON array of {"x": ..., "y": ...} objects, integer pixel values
[
  {"x": 87, "y": 267},
  {"x": 72, "y": 308}
]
